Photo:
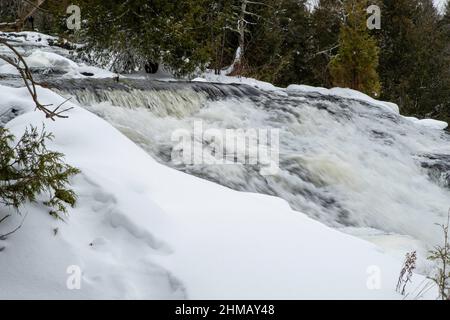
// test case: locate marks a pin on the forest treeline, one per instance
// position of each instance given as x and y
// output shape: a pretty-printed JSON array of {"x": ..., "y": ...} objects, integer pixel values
[{"x": 406, "y": 60}]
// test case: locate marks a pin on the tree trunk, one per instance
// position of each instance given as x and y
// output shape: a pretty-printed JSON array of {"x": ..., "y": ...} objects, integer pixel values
[
  {"x": 26, "y": 10},
  {"x": 241, "y": 28},
  {"x": 239, "y": 56}
]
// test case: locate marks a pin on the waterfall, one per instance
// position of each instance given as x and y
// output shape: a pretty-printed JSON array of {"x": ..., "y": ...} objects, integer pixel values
[{"x": 343, "y": 162}]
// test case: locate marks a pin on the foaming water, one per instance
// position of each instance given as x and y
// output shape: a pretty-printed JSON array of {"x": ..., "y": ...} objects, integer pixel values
[
  {"x": 182, "y": 104},
  {"x": 345, "y": 163}
]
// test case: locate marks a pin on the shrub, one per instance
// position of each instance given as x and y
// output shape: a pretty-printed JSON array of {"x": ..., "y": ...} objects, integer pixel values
[
  {"x": 441, "y": 255},
  {"x": 28, "y": 169},
  {"x": 407, "y": 272}
]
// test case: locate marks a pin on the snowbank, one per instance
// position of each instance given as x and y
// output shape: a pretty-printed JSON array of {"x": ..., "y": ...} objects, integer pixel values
[
  {"x": 344, "y": 93},
  {"x": 356, "y": 95},
  {"x": 142, "y": 230},
  {"x": 53, "y": 62},
  {"x": 199, "y": 80},
  {"x": 429, "y": 123},
  {"x": 209, "y": 76},
  {"x": 42, "y": 59},
  {"x": 48, "y": 60},
  {"x": 30, "y": 37}
]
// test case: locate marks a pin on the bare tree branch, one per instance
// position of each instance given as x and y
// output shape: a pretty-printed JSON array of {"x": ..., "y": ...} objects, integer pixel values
[
  {"x": 4, "y": 218},
  {"x": 5, "y": 236},
  {"x": 20, "y": 64}
]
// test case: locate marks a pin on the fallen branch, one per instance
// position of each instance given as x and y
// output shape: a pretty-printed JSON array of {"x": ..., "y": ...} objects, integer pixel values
[
  {"x": 30, "y": 83},
  {"x": 4, "y": 218},
  {"x": 5, "y": 236}
]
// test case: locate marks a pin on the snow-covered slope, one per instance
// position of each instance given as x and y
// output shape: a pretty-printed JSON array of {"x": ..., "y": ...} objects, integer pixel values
[{"x": 142, "y": 230}]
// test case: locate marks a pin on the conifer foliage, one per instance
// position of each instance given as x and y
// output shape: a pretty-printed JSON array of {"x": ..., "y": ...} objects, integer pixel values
[
  {"x": 415, "y": 58},
  {"x": 126, "y": 35},
  {"x": 355, "y": 65},
  {"x": 28, "y": 169}
]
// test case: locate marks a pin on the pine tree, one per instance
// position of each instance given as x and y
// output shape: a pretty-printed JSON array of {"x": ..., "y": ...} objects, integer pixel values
[
  {"x": 9, "y": 10},
  {"x": 28, "y": 169},
  {"x": 413, "y": 62},
  {"x": 222, "y": 41},
  {"x": 442, "y": 111},
  {"x": 55, "y": 18},
  {"x": 279, "y": 37},
  {"x": 293, "y": 64},
  {"x": 446, "y": 17},
  {"x": 128, "y": 35},
  {"x": 355, "y": 65},
  {"x": 326, "y": 20}
]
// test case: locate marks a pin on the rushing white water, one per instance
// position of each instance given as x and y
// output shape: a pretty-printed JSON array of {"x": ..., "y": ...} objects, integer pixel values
[
  {"x": 346, "y": 163},
  {"x": 351, "y": 165}
]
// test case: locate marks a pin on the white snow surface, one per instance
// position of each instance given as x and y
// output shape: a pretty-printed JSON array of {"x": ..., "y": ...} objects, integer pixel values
[
  {"x": 429, "y": 123},
  {"x": 41, "y": 57},
  {"x": 344, "y": 93},
  {"x": 30, "y": 37},
  {"x": 209, "y": 76},
  {"x": 347, "y": 93},
  {"x": 141, "y": 230}
]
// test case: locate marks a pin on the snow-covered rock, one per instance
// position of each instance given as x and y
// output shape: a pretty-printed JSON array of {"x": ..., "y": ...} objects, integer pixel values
[
  {"x": 42, "y": 59},
  {"x": 30, "y": 37},
  {"x": 429, "y": 123},
  {"x": 142, "y": 230},
  {"x": 210, "y": 76},
  {"x": 295, "y": 88},
  {"x": 199, "y": 79},
  {"x": 344, "y": 93},
  {"x": 48, "y": 60}
]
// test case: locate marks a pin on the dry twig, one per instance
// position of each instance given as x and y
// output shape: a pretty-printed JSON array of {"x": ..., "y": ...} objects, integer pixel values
[{"x": 20, "y": 64}]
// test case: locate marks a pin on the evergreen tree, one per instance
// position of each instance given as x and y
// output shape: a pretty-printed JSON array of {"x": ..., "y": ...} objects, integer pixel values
[
  {"x": 245, "y": 16},
  {"x": 55, "y": 18},
  {"x": 355, "y": 65},
  {"x": 221, "y": 38},
  {"x": 442, "y": 111},
  {"x": 9, "y": 10},
  {"x": 263, "y": 27},
  {"x": 326, "y": 20},
  {"x": 28, "y": 169},
  {"x": 446, "y": 17},
  {"x": 293, "y": 65},
  {"x": 278, "y": 42},
  {"x": 413, "y": 62},
  {"x": 128, "y": 35}
]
